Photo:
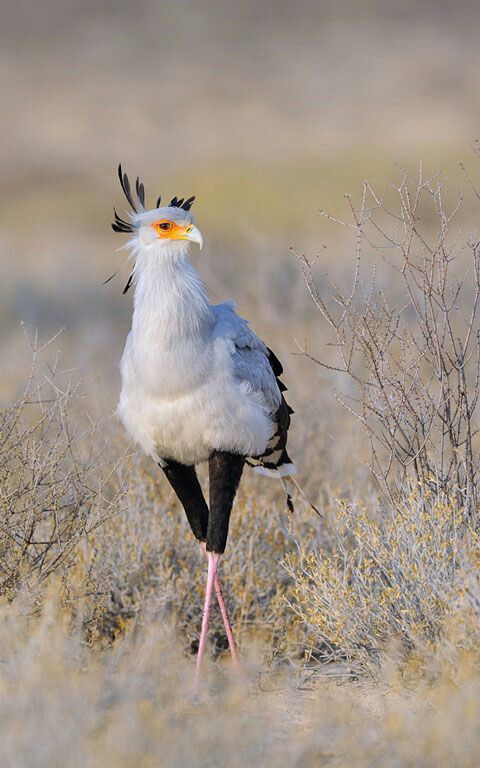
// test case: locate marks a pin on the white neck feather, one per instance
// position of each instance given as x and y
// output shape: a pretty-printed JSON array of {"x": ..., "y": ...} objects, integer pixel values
[{"x": 170, "y": 302}]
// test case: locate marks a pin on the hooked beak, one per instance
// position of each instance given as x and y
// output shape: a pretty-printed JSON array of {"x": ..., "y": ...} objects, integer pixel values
[{"x": 193, "y": 234}]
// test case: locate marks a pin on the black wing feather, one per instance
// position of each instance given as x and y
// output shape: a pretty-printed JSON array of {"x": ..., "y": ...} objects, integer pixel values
[{"x": 275, "y": 363}]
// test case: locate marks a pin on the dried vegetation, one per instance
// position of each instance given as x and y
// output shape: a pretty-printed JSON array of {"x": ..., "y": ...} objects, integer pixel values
[
  {"x": 360, "y": 631},
  {"x": 402, "y": 566}
]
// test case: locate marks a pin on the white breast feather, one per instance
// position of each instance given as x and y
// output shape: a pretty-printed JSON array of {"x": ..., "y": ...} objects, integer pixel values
[{"x": 195, "y": 378}]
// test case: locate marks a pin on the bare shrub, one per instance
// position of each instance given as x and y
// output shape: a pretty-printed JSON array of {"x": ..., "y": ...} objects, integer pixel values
[
  {"x": 410, "y": 349},
  {"x": 56, "y": 482},
  {"x": 402, "y": 567}
]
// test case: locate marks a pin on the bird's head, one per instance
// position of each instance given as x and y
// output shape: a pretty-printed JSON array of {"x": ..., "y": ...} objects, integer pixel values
[{"x": 169, "y": 227}]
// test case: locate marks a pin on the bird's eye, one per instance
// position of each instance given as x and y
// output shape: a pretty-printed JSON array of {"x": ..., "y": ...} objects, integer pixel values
[{"x": 165, "y": 225}]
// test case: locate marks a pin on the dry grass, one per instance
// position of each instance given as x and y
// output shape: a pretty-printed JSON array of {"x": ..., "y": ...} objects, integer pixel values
[
  {"x": 64, "y": 704},
  {"x": 403, "y": 566},
  {"x": 401, "y": 579},
  {"x": 359, "y": 631}
]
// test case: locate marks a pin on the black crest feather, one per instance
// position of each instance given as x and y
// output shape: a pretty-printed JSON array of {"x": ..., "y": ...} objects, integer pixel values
[
  {"x": 140, "y": 192},
  {"x": 124, "y": 226},
  {"x": 129, "y": 282},
  {"x": 188, "y": 203},
  {"x": 181, "y": 203},
  {"x": 120, "y": 225},
  {"x": 125, "y": 184}
]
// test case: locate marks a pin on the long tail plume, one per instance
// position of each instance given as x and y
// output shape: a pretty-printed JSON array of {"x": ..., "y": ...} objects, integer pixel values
[{"x": 290, "y": 505}]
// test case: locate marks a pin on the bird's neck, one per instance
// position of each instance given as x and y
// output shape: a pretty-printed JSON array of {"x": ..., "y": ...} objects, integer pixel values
[{"x": 170, "y": 301}]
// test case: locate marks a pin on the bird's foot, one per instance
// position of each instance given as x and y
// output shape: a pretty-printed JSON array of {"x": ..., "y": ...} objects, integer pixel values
[
  {"x": 207, "y": 607},
  {"x": 225, "y": 617}
]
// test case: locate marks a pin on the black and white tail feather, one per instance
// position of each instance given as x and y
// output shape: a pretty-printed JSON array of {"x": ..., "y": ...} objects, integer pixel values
[{"x": 275, "y": 461}]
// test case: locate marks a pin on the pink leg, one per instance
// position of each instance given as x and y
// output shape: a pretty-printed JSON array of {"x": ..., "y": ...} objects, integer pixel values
[
  {"x": 226, "y": 621},
  {"x": 207, "y": 606}
]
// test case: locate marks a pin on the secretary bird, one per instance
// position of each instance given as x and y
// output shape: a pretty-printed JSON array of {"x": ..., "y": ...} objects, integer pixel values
[{"x": 197, "y": 384}]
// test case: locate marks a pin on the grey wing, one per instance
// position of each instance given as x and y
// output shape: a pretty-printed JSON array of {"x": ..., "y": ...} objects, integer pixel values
[{"x": 250, "y": 355}]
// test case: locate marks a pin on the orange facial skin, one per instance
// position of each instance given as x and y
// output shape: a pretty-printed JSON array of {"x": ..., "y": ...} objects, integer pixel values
[{"x": 169, "y": 230}]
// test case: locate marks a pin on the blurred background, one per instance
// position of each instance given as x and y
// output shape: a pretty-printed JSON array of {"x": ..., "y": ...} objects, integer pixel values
[{"x": 266, "y": 111}]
